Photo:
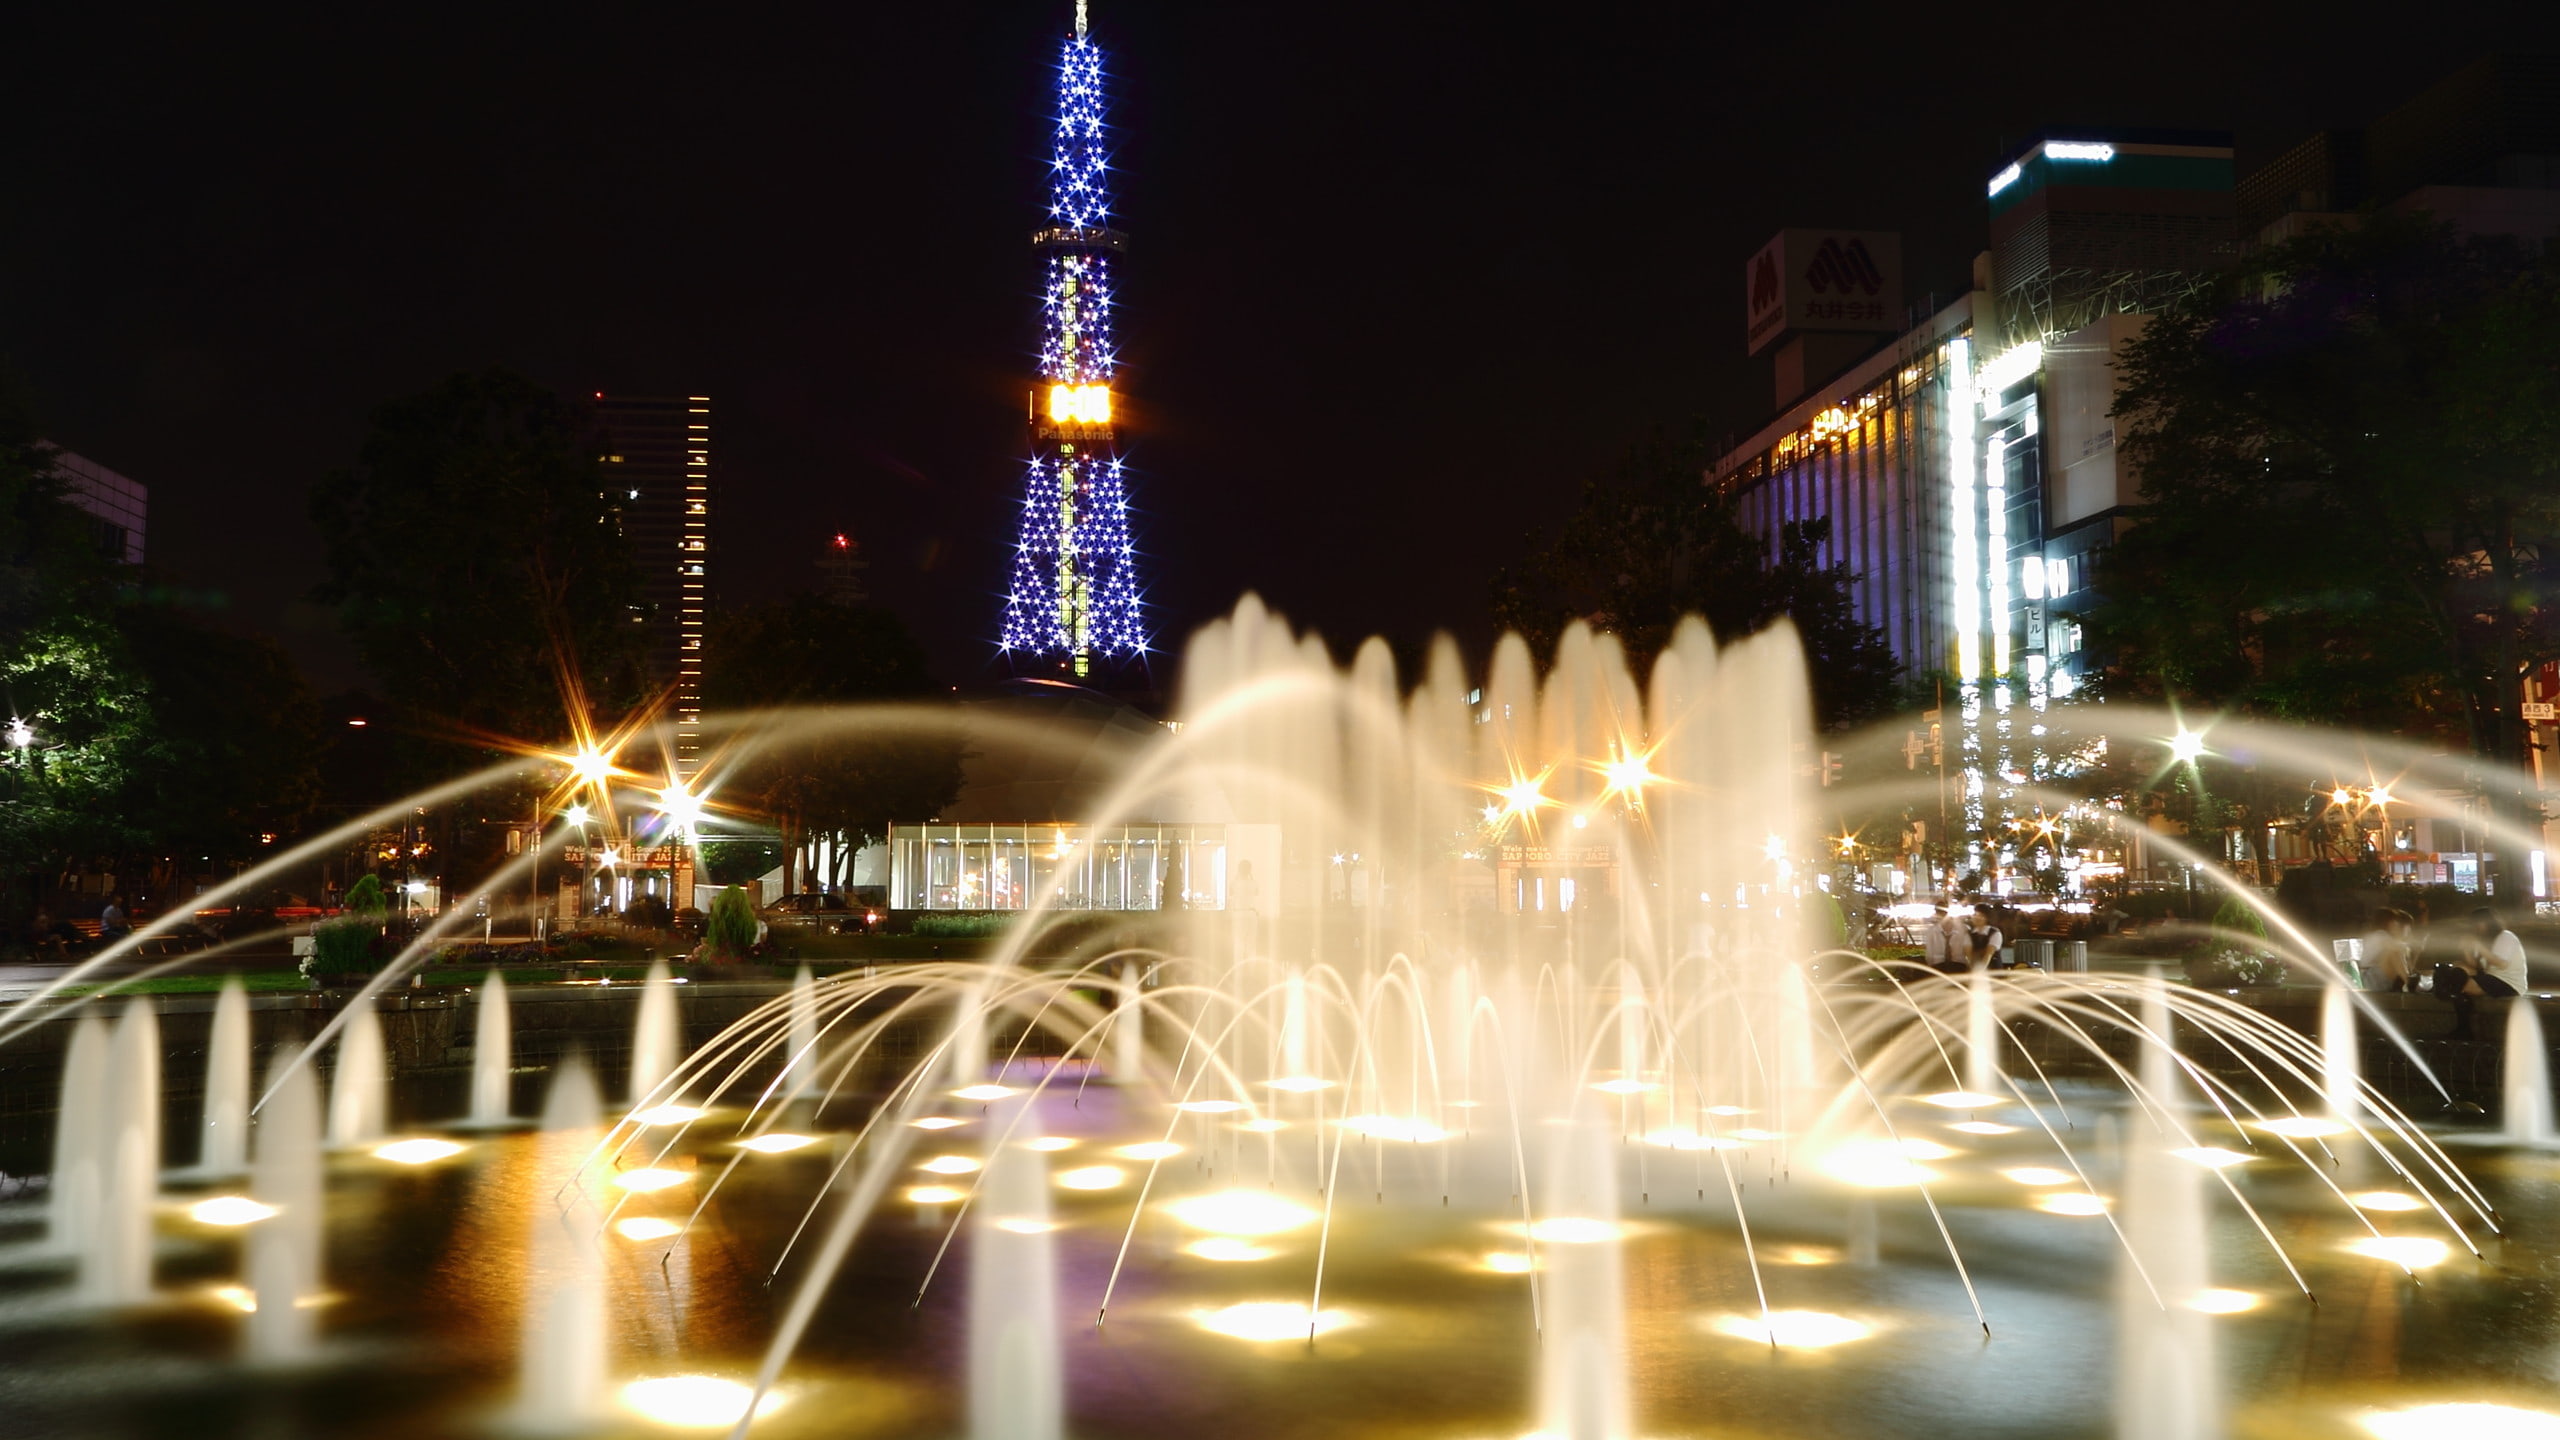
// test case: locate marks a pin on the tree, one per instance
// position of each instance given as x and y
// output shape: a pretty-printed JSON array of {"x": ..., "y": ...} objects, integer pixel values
[
  {"x": 478, "y": 563},
  {"x": 2350, "y": 456},
  {"x": 823, "y": 774},
  {"x": 1650, "y": 545}
]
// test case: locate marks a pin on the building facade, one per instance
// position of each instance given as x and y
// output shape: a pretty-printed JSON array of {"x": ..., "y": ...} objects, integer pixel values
[
  {"x": 657, "y": 469},
  {"x": 120, "y": 508}
]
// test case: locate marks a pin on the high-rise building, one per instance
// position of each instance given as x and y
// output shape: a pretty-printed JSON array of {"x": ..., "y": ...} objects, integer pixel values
[
  {"x": 657, "y": 467},
  {"x": 1073, "y": 604},
  {"x": 119, "y": 507},
  {"x": 2479, "y": 150}
]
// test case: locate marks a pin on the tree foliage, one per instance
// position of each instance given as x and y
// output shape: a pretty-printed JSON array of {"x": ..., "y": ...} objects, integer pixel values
[
  {"x": 2350, "y": 458},
  {"x": 1650, "y": 545},
  {"x": 824, "y": 771},
  {"x": 155, "y": 741},
  {"x": 478, "y": 564}
]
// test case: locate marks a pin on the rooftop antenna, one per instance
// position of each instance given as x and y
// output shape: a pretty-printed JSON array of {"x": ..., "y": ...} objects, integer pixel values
[{"x": 1079, "y": 19}]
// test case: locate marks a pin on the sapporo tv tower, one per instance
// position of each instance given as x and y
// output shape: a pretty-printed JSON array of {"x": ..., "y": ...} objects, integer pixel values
[{"x": 1073, "y": 604}]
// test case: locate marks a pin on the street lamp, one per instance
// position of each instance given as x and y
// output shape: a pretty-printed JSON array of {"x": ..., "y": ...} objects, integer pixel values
[{"x": 21, "y": 734}]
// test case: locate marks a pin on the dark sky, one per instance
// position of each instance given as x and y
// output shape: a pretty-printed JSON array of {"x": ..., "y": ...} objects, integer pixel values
[{"x": 1401, "y": 273}]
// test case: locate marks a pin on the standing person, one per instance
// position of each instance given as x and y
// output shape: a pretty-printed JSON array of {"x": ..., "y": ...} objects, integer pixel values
[
  {"x": 1982, "y": 943},
  {"x": 1933, "y": 938},
  {"x": 112, "y": 924},
  {"x": 2501, "y": 953},
  {"x": 2387, "y": 956}
]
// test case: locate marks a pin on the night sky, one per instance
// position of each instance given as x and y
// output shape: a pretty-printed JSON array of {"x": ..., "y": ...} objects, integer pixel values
[{"x": 1400, "y": 274}]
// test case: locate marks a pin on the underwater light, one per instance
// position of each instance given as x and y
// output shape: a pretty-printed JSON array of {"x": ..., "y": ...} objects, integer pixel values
[
  {"x": 1508, "y": 1262},
  {"x": 2409, "y": 1252},
  {"x": 982, "y": 1092},
  {"x": 668, "y": 1115},
  {"x": 2468, "y": 1420},
  {"x": 1963, "y": 1100},
  {"x": 1805, "y": 1255},
  {"x": 935, "y": 1194},
  {"x": 238, "y": 1297},
  {"x": 1210, "y": 1107},
  {"x": 2038, "y": 1175},
  {"x": 1019, "y": 1225},
  {"x": 1793, "y": 1329},
  {"x": 1726, "y": 1110},
  {"x": 936, "y": 1122},
  {"x": 1269, "y": 1320},
  {"x": 1049, "y": 1143},
  {"x": 1263, "y": 1126},
  {"x": 2072, "y": 1202},
  {"x": 1226, "y": 1248},
  {"x": 1299, "y": 1084},
  {"x": 641, "y": 1182},
  {"x": 1573, "y": 1230},
  {"x": 646, "y": 1227},
  {"x": 1093, "y": 1177},
  {"x": 699, "y": 1402},
  {"x": 416, "y": 1152},
  {"x": 2386, "y": 1200},
  {"x": 1149, "y": 1150},
  {"x": 2212, "y": 1157},
  {"x": 1679, "y": 1139},
  {"x": 778, "y": 1143},
  {"x": 1240, "y": 1212},
  {"x": 1624, "y": 1087},
  {"x": 949, "y": 1165},
  {"x": 2223, "y": 1302},
  {"x": 1983, "y": 1127},
  {"x": 2303, "y": 1127},
  {"x": 1875, "y": 1165},
  {"x": 229, "y": 1210},
  {"x": 1395, "y": 1127}
]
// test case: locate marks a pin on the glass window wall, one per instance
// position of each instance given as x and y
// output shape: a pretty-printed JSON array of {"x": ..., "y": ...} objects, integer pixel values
[{"x": 1008, "y": 867}]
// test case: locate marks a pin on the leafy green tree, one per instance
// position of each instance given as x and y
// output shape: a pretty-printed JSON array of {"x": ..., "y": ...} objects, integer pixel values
[
  {"x": 824, "y": 772},
  {"x": 2350, "y": 456},
  {"x": 1649, "y": 545},
  {"x": 478, "y": 564},
  {"x": 729, "y": 929}
]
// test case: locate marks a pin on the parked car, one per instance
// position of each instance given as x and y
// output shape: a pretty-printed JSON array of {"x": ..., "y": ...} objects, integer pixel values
[{"x": 812, "y": 910}]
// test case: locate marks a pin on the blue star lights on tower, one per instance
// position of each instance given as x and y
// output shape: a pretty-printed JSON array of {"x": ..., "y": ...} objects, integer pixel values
[{"x": 1074, "y": 599}]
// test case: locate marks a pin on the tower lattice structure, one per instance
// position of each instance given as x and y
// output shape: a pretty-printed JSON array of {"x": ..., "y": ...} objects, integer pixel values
[{"x": 1073, "y": 603}]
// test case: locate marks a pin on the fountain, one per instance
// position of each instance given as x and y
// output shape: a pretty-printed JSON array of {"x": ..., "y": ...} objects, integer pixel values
[
  {"x": 800, "y": 1077},
  {"x": 284, "y": 1248},
  {"x": 117, "y": 1267},
  {"x": 2526, "y": 1084},
  {"x": 2341, "y": 1064},
  {"x": 80, "y": 1151},
  {"x": 1016, "y": 1383},
  {"x": 1528, "y": 1051},
  {"x": 359, "y": 1094},
  {"x": 224, "y": 1150},
  {"x": 562, "y": 1385},
  {"x": 2166, "y": 1386},
  {"x": 492, "y": 1058},
  {"x": 657, "y": 1037}
]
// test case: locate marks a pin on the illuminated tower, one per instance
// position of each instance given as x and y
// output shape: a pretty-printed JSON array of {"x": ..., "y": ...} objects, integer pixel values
[{"x": 1073, "y": 603}]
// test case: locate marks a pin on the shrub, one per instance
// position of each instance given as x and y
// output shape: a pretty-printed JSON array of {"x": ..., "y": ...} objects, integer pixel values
[
  {"x": 730, "y": 931},
  {"x": 650, "y": 911},
  {"x": 365, "y": 896},
  {"x": 348, "y": 945},
  {"x": 962, "y": 927},
  {"x": 2237, "y": 952}
]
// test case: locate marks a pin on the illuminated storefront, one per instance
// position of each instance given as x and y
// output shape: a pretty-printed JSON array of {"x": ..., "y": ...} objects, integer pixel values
[{"x": 1005, "y": 867}]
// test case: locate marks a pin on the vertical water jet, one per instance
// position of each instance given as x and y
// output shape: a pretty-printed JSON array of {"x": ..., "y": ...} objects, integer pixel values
[
  {"x": 1017, "y": 1389},
  {"x": 223, "y": 1150},
  {"x": 359, "y": 1094},
  {"x": 2526, "y": 1083},
  {"x": 493, "y": 1056},
  {"x": 284, "y": 1248},
  {"x": 657, "y": 1038},
  {"x": 80, "y": 1143},
  {"x": 565, "y": 1351},
  {"x": 117, "y": 1268},
  {"x": 2341, "y": 1066},
  {"x": 2166, "y": 1385}
]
